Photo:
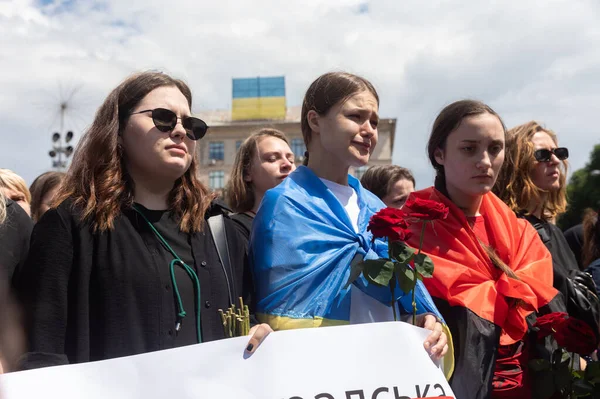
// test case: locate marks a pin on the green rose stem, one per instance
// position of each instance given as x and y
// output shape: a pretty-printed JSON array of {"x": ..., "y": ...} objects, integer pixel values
[
  {"x": 236, "y": 322},
  {"x": 393, "y": 297},
  {"x": 571, "y": 375},
  {"x": 414, "y": 302},
  {"x": 392, "y": 282}
]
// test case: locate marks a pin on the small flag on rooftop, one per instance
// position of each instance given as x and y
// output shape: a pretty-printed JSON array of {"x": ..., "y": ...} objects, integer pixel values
[{"x": 258, "y": 98}]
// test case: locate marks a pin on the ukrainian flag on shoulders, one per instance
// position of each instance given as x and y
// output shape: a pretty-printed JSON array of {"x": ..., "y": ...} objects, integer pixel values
[{"x": 258, "y": 98}]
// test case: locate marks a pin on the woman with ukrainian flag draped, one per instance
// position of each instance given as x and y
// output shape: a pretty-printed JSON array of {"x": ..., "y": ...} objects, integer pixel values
[
  {"x": 311, "y": 227},
  {"x": 492, "y": 273}
]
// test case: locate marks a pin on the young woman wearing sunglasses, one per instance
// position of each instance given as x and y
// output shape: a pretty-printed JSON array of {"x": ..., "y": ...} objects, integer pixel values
[
  {"x": 533, "y": 184},
  {"x": 126, "y": 262}
]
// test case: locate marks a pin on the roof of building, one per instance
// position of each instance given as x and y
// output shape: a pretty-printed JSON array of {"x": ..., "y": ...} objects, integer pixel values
[{"x": 223, "y": 117}]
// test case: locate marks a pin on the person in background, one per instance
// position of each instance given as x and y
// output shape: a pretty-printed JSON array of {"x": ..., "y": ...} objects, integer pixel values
[
  {"x": 43, "y": 190},
  {"x": 13, "y": 186},
  {"x": 533, "y": 184},
  {"x": 310, "y": 228},
  {"x": 490, "y": 269},
  {"x": 262, "y": 162},
  {"x": 591, "y": 246},
  {"x": 391, "y": 183},
  {"x": 15, "y": 231},
  {"x": 128, "y": 261},
  {"x": 574, "y": 237}
]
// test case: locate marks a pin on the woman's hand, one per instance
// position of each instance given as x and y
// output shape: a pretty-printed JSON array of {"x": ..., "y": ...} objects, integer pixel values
[
  {"x": 437, "y": 342},
  {"x": 258, "y": 333}
]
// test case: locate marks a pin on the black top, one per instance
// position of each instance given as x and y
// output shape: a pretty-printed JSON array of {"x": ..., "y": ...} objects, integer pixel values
[
  {"x": 15, "y": 233},
  {"x": 574, "y": 237},
  {"x": 93, "y": 296},
  {"x": 243, "y": 222}
]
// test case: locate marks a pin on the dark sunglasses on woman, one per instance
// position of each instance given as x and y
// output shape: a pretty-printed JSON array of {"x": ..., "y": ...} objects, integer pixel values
[
  {"x": 544, "y": 155},
  {"x": 165, "y": 120}
]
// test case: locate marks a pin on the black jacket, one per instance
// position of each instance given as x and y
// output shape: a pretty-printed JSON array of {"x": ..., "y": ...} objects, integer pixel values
[
  {"x": 15, "y": 233},
  {"x": 93, "y": 296}
]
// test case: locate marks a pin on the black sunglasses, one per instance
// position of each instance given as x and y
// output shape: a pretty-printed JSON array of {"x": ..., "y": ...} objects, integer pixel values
[
  {"x": 165, "y": 120},
  {"x": 544, "y": 155}
]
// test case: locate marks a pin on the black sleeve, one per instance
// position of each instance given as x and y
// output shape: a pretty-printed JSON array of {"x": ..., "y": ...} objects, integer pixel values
[
  {"x": 15, "y": 234},
  {"x": 242, "y": 227},
  {"x": 238, "y": 244},
  {"x": 43, "y": 285}
]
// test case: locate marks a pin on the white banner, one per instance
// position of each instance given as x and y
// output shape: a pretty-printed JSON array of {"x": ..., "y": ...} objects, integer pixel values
[{"x": 366, "y": 361}]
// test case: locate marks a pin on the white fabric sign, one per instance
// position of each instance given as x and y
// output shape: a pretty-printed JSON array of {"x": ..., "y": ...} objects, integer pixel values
[{"x": 366, "y": 361}]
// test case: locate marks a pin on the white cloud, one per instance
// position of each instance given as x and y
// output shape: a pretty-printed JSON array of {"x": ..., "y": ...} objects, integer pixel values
[{"x": 528, "y": 59}]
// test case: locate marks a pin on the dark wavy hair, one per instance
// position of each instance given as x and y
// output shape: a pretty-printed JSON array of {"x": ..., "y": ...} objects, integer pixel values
[{"x": 97, "y": 181}]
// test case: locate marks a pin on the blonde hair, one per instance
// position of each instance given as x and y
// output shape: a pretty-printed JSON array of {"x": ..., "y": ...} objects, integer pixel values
[
  {"x": 515, "y": 185},
  {"x": 239, "y": 193},
  {"x": 2, "y": 207},
  {"x": 9, "y": 179}
]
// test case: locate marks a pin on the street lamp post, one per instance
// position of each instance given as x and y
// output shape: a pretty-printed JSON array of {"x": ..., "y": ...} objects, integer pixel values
[{"x": 61, "y": 151}]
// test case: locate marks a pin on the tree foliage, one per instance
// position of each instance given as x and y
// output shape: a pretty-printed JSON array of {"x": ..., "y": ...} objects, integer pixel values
[{"x": 583, "y": 191}]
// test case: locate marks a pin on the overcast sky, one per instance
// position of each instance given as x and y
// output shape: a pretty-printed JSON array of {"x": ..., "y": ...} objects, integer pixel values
[{"x": 527, "y": 59}]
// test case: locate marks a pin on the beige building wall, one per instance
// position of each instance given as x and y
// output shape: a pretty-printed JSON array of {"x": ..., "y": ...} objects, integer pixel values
[{"x": 225, "y": 134}]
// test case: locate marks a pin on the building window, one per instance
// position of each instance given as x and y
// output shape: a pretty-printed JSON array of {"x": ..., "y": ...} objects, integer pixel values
[
  {"x": 238, "y": 144},
  {"x": 360, "y": 171},
  {"x": 216, "y": 179},
  {"x": 216, "y": 150},
  {"x": 298, "y": 148}
]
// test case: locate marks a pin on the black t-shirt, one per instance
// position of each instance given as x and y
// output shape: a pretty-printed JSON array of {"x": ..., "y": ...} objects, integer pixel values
[{"x": 15, "y": 233}]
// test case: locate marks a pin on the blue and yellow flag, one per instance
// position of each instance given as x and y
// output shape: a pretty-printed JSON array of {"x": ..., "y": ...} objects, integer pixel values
[
  {"x": 302, "y": 245},
  {"x": 258, "y": 98}
]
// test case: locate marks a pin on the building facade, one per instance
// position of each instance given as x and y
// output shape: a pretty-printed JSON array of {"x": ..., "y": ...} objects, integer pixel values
[{"x": 218, "y": 148}]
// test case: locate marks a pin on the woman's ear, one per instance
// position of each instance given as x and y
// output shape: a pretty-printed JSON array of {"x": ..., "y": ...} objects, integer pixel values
[
  {"x": 247, "y": 178},
  {"x": 438, "y": 154},
  {"x": 312, "y": 118}
]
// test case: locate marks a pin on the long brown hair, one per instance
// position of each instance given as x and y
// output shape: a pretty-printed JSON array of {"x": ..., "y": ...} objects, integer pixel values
[
  {"x": 591, "y": 238},
  {"x": 325, "y": 92},
  {"x": 239, "y": 193},
  {"x": 97, "y": 181},
  {"x": 515, "y": 186},
  {"x": 446, "y": 122}
]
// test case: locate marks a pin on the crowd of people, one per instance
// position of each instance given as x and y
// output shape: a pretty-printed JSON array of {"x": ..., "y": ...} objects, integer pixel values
[{"x": 128, "y": 252}]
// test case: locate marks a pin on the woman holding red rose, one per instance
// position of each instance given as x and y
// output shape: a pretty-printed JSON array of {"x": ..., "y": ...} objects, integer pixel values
[
  {"x": 492, "y": 274},
  {"x": 313, "y": 226}
]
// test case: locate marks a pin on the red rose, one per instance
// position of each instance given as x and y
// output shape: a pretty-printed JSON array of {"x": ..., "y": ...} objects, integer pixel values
[
  {"x": 576, "y": 336},
  {"x": 423, "y": 209},
  {"x": 390, "y": 223},
  {"x": 549, "y": 323}
]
